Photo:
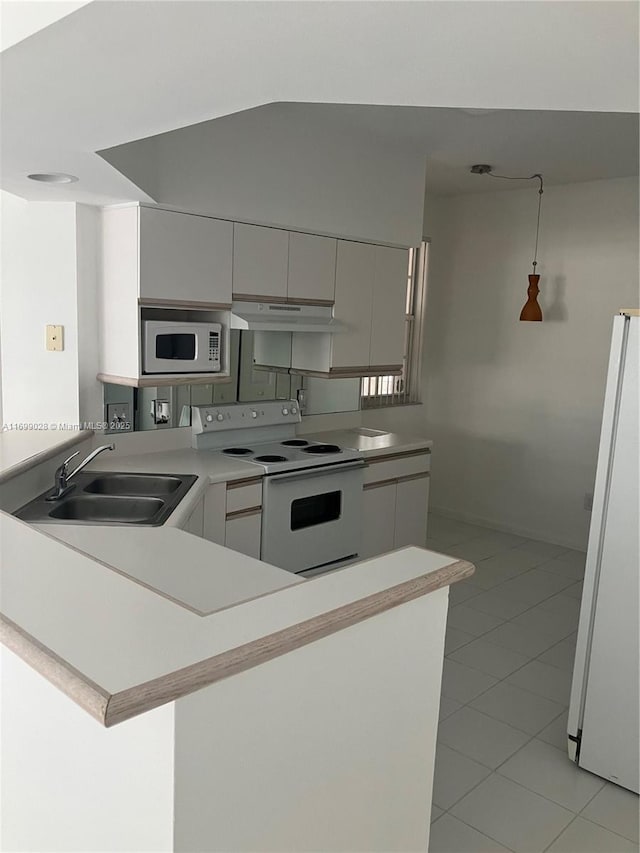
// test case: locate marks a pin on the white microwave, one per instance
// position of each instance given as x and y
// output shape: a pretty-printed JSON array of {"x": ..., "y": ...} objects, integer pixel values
[{"x": 181, "y": 347}]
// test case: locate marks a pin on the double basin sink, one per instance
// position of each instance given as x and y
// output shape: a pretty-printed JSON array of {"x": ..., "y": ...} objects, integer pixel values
[{"x": 111, "y": 498}]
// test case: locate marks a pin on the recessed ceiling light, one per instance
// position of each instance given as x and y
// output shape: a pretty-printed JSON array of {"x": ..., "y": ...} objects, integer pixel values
[{"x": 53, "y": 178}]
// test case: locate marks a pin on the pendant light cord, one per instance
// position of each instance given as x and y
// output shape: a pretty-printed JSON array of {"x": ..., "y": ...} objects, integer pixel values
[{"x": 540, "y": 191}]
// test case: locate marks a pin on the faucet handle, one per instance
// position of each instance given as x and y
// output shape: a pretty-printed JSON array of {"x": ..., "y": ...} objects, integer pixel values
[{"x": 66, "y": 461}]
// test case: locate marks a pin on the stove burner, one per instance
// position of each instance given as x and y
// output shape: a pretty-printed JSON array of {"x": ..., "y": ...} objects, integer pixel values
[
  {"x": 270, "y": 458},
  {"x": 322, "y": 448},
  {"x": 237, "y": 451},
  {"x": 295, "y": 442}
]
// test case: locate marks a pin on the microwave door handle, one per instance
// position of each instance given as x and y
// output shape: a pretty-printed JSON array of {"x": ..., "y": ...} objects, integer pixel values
[{"x": 316, "y": 472}]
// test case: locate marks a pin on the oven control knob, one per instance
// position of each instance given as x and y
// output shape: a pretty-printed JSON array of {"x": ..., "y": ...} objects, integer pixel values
[
  {"x": 254, "y": 414},
  {"x": 209, "y": 418},
  {"x": 220, "y": 417},
  {"x": 285, "y": 411},
  {"x": 294, "y": 411}
]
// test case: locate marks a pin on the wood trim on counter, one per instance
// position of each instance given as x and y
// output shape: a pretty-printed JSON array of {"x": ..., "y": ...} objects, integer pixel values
[
  {"x": 243, "y": 513},
  {"x": 240, "y": 484},
  {"x": 404, "y": 454},
  {"x": 165, "y": 379},
  {"x": 152, "y": 694},
  {"x": 62, "y": 675},
  {"x": 110, "y": 710},
  {"x": 187, "y": 304}
]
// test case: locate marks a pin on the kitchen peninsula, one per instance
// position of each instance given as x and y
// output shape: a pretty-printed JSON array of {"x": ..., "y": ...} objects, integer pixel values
[{"x": 245, "y": 708}]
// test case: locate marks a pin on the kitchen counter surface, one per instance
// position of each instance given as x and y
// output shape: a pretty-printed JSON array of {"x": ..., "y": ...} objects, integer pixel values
[
  {"x": 372, "y": 442},
  {"x": 119, "y": 648},
  {"x": 20, "y": 450},
  {"x": 125, "y": 619},
  {"x": 199, "y": 575}
]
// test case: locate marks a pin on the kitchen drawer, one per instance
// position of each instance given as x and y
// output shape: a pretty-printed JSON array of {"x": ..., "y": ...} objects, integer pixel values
[
  {"x": 244, "y": 494},
  {"x": 242, "y": 533},
  {"x": 393, "y": 466}
]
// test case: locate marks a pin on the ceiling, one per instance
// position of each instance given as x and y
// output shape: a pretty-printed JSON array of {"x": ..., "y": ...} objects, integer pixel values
[
  {"x": 113, "y": 72},
  {"x": 566, "y": 147}
]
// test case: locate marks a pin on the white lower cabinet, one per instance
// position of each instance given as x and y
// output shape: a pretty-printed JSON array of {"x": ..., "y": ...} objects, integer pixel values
[
  {"x": 230, "y": 514},
  {"x": 243, "y": 521},
  {"x": 243, "y": 532},
  {"x": 195, "y": 522},
  {"x": 378, "y": 516},
  {"x": 395, "y": 502},
  {"x": 214, "y": 513},
  {"x": 412, "y": 501}
]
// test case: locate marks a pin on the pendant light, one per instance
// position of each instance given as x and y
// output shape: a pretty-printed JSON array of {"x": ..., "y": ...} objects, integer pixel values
[{"x": 531, "y": 310}]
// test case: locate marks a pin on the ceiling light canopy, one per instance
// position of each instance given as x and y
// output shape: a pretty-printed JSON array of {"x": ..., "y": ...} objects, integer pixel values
[{"x": 52, "y": 178}]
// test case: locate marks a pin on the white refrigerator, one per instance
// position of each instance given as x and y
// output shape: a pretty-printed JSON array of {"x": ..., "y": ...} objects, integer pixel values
[{"x": 603, "y": 727}]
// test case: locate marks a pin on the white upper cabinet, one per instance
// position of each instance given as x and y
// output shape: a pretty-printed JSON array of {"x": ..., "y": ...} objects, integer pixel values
[
  {"x": 312, "y": 267},
  {"x": 184, "y": 258},
  {"x": 355, "y": 270},
  {"x": 260, "y": 261},
  {"x": 388, "y": 306}
]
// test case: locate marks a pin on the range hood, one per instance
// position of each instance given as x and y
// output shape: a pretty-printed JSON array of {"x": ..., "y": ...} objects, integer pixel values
[{"x": 277, "y": 317}]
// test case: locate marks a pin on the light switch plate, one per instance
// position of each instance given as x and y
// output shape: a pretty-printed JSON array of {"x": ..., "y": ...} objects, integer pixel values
[
  {"x": 55, "y": 338},
  {"x": 119, "y": 417}
]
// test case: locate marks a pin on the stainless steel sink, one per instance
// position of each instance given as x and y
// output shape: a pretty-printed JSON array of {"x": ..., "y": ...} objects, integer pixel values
[
  {"x": 107, "y": 497},
  {"x": 121, "y": 509},
  {"x": 133, "y": 484}
]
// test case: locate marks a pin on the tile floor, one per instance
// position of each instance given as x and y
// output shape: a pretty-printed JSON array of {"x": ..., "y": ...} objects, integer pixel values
[{"x": 503, "y": 780}]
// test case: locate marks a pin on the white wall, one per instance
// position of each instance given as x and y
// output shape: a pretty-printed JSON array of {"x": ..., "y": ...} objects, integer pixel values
[
  {"x": 90, "y": 391},
  {"x": 285, "y": 164},
  {"x": 48, "y": 277},
  {"x": 515, "y": 408}
]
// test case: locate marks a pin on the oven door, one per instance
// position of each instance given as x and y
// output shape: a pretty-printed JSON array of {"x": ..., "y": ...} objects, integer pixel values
[{"x": 312, "y": 518}]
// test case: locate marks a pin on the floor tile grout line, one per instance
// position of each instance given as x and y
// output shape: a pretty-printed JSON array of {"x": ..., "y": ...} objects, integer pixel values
[
  {"x": 533, "y": 606},
  {"x": 588, "y": 820},
  {"x": 531, "y": 737},
  {"x": 573, "y": 819},
  {"x": 591, "y": 820},
  {"x": 496, "y": 772},
  {"x": 475, "y": 828}
]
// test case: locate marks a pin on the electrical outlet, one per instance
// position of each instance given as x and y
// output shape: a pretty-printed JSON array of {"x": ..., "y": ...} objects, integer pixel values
[
  {"x": 55, "y": 338},
  {"x": 119, "y": 417},
  {"x": 588, "y": 501}
]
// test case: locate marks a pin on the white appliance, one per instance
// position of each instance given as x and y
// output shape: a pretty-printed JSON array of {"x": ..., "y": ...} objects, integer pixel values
[
  {"x": 311, "y": 493},
  {"x": 188, "y": 347},
  {"x": 603, "y": 728},
  {"x": 278, "y": 317}
]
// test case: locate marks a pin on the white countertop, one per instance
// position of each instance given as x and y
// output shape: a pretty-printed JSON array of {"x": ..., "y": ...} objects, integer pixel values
[
  {"x": 372, "y": 442},
  {"x": 119, "y": 607},
  {"x": 193, "y": 572},
  {"x": 122, "y": 639}
]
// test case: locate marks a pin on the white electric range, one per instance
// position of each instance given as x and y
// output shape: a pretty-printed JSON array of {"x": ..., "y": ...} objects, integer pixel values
[{"x": 312, "y": 492}]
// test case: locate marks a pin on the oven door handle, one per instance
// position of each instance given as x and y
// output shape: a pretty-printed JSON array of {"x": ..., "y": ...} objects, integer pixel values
[{"x": 316, "y": 472}]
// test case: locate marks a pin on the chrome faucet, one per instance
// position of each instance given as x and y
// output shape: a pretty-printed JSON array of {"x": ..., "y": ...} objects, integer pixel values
[{"x": 61, "y": 485}]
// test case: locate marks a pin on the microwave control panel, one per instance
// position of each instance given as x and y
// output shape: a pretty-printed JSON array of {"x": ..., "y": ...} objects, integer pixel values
[{"x": 214, "y": 347}]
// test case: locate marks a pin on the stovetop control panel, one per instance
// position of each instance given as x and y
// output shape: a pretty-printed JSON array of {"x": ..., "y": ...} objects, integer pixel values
[{"x": 209, "y": 419}]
